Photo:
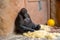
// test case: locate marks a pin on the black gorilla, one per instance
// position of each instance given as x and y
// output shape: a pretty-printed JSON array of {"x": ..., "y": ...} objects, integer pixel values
[{"x": 23, "y": 22}]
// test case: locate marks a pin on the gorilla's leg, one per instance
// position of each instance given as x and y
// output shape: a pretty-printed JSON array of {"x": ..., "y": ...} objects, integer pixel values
[
  {"x": 24, "y": 28},
  {"x": 21, "y": 29}
]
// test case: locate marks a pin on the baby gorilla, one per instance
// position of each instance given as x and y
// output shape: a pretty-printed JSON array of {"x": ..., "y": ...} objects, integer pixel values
[{"x": 23, "y": 22}]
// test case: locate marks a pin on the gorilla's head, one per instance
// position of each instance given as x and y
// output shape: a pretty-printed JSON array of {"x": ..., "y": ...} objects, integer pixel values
[{"x": 23, "y": 11}]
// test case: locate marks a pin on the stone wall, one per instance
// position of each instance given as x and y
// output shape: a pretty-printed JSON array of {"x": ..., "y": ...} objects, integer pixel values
[{"x": 8, "y": 13}]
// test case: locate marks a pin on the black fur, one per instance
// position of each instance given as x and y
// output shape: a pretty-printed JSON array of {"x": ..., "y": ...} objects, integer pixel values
[{"x": 24, "y": 23}]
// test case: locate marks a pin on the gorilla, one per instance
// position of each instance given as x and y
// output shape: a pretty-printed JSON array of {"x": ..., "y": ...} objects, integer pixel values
[{"x": 23, "y": 22}]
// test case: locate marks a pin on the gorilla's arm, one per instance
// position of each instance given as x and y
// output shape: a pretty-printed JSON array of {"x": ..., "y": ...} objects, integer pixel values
[{"x": 26, "y": 29}]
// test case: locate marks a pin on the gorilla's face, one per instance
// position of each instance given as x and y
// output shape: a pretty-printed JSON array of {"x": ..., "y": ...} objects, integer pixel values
[{"x": 23, "y": 11}]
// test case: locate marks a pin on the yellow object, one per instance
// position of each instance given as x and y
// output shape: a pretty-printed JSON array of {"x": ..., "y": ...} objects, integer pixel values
[
  {"x": 42, "y": 34},
  {"x": 36, "y": 34},
  {"x": 51, "y": 22},
  {"x": 45, "y": 27}
]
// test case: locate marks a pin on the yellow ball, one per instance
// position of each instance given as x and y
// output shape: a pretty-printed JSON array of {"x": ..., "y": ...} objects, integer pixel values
[{"x": 51, "y": 22}]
